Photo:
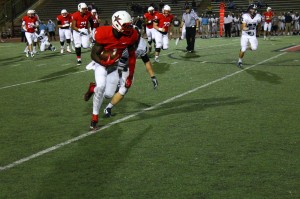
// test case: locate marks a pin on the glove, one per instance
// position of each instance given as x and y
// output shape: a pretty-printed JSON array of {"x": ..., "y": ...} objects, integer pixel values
[
  {"x": 154, "y": 81},
  {"x": 83, "y": 31},
  {"x": 128, "y": 81}
]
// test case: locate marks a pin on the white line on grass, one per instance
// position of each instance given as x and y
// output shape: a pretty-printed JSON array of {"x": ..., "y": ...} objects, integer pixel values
[
  {"x": 40, "y": 80},
  {"x": 48, "y": 150}
]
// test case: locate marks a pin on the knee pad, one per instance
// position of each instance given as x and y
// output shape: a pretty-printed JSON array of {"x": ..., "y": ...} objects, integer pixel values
[{"x": 253, "y": 48}]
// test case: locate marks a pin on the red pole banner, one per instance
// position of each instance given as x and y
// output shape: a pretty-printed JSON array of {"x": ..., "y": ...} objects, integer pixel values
[{"x": 222, "y": 12}]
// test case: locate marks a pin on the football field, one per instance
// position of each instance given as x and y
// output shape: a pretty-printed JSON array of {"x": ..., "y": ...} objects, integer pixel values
[{"x": 210, "y": 130}]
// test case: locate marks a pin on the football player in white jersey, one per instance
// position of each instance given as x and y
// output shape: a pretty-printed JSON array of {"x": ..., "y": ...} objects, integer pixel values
[
  {"x": 44, "y": 42},
  {"x": 250, "y": 21}
]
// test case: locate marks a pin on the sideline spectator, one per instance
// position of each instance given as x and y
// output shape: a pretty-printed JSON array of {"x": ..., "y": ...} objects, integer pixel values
[
  {"x": 51, "y": 29},
  {"x": 228, "y": 24}
]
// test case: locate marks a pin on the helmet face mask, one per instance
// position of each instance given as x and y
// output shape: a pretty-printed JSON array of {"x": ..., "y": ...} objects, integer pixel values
[
  {"x": 64, "y": 13},
  {"x": 122, "y": 22},
  {"x": 30, "y": 13},
  {"x": 252, "y": 9}
]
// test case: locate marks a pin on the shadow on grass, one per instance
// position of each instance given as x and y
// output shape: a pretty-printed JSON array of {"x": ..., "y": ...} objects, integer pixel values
[
  {"x": 176, "y": 107},
  {"x": 59, "y": 74},
  {"x": 160, "y": 68},
  {"x": 265, "y": 76},
  {"x": 89, "y": 166}
]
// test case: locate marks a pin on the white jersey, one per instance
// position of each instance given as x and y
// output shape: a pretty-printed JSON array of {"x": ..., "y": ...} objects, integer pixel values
[
  {"x": 214, "y": 21},
  {"x": 139, "y": 52},
  {"x": 251, "y": 24}
]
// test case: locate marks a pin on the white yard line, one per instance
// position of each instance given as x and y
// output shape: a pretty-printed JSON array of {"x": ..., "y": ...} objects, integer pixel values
[
  {"x": 53, "y": 148},
  {"x": 40, "y": 80}
]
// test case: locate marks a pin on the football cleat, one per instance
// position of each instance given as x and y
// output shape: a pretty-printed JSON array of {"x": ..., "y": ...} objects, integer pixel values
[
  {"x": 68, "y": 49},
  {"x": 89, "y": 93},
  {"x": 156, "y": 59},
  {"x": 107, "y": 112},
  {"x": 53, "y": 48},
  {"x": 27, "y": 54},
  {"x": 94, "y": 125},
  {"x": 31, "y": 54},
  {"x": 79, "y": 62},
  {"x": 240, "y": 64},
  {"x": 62, "y": 51},
  {"x": 154, "y": 81}
]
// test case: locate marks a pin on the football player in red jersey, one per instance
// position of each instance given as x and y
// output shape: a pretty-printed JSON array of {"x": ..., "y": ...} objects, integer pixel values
[
  {"x": 149, "y": 17},
  {"x": 80, "y": 24},
  {"x": 268, "y": 16},
  {"x": 64, "y": 21},
  {"x": 96, "y": 23},
  {"x": 162, "y": 23},
  {"x": 29, "y": 24},
  {"x": 115, "y": 38}
]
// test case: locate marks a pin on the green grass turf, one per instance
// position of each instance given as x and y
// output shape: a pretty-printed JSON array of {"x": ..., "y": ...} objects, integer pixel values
[{"x": 235, "y": 138}]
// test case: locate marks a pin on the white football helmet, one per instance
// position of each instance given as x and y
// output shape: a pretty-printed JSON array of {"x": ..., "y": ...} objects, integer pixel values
[
  {"x": 81, "y": 6},
  {"x": 150, "y": 9},
  {"x": 166, "y": 10},
  {"x": 64, "y": 12},
  {"x": 268, "y": 9},
  {"x": 122, "y": 22},
  {"x": 94, "y": 11},
  {"x": 30, "y": 13},
  {"x": 167, "y": 7}
]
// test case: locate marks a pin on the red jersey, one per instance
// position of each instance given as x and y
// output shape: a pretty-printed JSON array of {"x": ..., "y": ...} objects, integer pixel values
[
  {"x": 149, "y": 17},
  {"x": 95, "y": 21},
  {"x": 104, "y": 36},
  {"x": 163, "y": 21},
  {"x": 81, "y": 21},
  {"x": 268, "y": 16},
  {"x": 30, "y": 23},
  {"x": 64, "y": 20}
]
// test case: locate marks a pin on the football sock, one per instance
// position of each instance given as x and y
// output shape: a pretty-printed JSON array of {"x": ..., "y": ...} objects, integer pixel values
[
  {"x": 110, "y": 105},
  {"x": 240, "y": 60},
  {"x": 95, "y": 118}
]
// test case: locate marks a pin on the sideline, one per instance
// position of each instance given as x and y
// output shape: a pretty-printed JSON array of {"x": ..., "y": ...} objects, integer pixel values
[{"x": 53, "y": 148}]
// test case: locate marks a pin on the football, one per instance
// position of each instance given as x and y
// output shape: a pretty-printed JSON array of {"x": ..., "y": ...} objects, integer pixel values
[{"x": 109, "y": 54}]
